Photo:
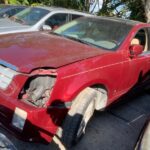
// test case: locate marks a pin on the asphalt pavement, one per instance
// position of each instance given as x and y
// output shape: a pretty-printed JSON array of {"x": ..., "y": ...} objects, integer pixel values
[{"x": 117, "y": 128}]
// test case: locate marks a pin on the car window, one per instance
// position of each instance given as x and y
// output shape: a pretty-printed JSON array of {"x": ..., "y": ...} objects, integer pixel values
[
  {"x": 11, "y": 12},
  {"x": 17, "y": 10},
  {"x": 102, "y": 33},
  {"x": 73, "y": 16},
  {"x": 141, "y": 38},
  {"x": 30, "y": 16},
  {"x": 57, "y": 20},
  {"x": 7, "y": 13}
]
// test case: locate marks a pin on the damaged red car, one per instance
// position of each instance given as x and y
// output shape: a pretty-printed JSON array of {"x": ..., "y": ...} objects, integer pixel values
[{"x": 53, "y": 82}]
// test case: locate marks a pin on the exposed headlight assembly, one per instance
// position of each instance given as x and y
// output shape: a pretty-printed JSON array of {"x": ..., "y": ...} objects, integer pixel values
[
  {"x": 19, "y": 118},
  {"x": 37, "y": 90}
]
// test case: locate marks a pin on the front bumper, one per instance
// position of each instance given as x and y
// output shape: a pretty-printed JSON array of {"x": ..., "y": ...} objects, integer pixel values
[{"x": 40, "y": 123}]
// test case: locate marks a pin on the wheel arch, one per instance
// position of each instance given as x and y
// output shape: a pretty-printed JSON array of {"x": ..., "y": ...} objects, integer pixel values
[{"x": 102, "y": 95}]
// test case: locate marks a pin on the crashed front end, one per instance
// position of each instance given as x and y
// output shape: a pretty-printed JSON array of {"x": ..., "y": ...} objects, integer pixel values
[{"x": 24, "y": 100}]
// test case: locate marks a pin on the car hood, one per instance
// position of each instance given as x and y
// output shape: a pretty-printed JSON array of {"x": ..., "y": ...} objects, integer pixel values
[
  {"x": 28, "y": 51},
  {"x": 8, "y": 26}
]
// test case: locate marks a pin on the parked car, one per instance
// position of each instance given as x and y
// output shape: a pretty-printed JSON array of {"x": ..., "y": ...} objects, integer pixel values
[
  {"x": 50, "y": 82},
  {"x": 10, "y": 10},
  {"x": 38, "y": 19}
]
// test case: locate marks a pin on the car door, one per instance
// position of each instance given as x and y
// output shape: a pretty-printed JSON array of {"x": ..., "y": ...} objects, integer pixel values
[
  {"x": 146, "y": 55},
  {"x": 136, "y": 68}
]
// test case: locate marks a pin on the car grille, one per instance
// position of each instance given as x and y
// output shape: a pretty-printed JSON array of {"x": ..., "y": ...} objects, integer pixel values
[{"x": 6, "y": 76}]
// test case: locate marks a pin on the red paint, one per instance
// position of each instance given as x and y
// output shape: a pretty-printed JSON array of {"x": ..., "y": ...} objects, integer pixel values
[
  {"x": 36, "y": 50},
  {"x": 76, "y": 66}
]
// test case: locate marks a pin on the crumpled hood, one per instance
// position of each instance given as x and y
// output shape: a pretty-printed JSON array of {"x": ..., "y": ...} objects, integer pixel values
[
  {"x": 8, "y": 26},
  {"x": 29, "y": 51}
]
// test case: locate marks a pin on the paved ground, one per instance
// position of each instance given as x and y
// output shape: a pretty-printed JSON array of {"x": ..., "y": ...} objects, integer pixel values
[{"x": 115, "y": 129}]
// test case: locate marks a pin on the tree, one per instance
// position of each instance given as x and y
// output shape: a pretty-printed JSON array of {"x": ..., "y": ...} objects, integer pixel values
[
  {"x": 136, "y": 9},
  {"x": 131, "y": 9},
  {"x": 147, "y": 9},
  {"x": 23, "y": 2},
  {"x": 4, "y": 1}
]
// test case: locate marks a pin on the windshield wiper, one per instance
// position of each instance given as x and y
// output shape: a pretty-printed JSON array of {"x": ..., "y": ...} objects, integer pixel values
[
  {"x": 81, "y": 41},
  {"x": 54, "y": 33},
  {"x": 16, "y": 19},
  {"x": 72, "y": 38},
  {"x": 20, "y": 20}
]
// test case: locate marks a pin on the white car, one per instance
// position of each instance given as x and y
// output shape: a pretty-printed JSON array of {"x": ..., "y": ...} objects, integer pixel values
[{"x": 38, "y": 19}]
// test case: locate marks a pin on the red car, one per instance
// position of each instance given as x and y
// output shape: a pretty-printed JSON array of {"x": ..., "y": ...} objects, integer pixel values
[{"x": 58, "y": 80}]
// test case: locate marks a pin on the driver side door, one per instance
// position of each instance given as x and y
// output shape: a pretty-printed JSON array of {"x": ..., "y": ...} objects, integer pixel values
[{"x": 136, "y": 68}]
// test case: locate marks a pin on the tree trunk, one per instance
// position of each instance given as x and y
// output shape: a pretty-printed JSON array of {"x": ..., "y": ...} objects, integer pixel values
[{"x": 147, "y": 9}]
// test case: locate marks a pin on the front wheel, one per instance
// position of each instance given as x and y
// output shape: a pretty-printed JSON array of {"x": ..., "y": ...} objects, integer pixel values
[{"x": 78, "y": 117}]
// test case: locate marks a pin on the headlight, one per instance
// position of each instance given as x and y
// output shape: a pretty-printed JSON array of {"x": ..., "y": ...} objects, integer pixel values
[
  {"x": 19, "y": 118},
  {"x": 37, "y": 90},
  {"x": 6, "y": 76}
]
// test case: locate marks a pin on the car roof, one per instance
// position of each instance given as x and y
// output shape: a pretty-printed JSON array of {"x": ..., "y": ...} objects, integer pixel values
[
  {"x": 126, "y": 21},
  {"x": 120, "y": 20},
  {"x": 53, "y": 8}
]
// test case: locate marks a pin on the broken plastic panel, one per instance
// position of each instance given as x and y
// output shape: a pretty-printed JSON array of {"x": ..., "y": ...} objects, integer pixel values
[{"x": 37, "y": 90}]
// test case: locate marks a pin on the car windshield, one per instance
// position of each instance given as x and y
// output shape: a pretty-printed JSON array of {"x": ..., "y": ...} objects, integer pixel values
[
  {"x": 103, "y": 33},
  {"x": 3, "y": 8},
  {"x": 30, "y": 16}
]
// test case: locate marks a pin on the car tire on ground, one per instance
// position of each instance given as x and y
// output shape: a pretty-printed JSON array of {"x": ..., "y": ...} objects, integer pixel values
[{"x": 78, "y": 117}]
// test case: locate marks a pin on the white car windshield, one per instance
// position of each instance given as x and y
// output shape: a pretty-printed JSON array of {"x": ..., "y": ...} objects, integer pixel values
[
  {"x": 30, "y": 16},
  {"x": 103, "y": 33}
]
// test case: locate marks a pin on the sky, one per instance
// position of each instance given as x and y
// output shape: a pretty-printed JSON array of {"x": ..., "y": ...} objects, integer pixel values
[{"x": 95, "y": 6}]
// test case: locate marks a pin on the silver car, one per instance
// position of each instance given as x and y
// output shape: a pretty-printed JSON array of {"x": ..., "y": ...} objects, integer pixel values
[
  {"x": 38, "y": 19},
  {"x": 10, "y": 10}
]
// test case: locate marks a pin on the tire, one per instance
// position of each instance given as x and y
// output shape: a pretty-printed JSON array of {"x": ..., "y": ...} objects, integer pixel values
[{"x": 78, "y": 117}]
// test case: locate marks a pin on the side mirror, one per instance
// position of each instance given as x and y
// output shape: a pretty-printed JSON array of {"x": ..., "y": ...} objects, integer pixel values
[
  {"x": 46, "y": 28},
  {"x": 136, "y": 50}
]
